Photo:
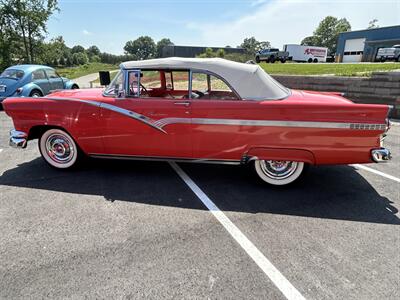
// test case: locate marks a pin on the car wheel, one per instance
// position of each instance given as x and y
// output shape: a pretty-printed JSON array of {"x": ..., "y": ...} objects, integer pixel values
[
  {"x": 283, "y": 60},
  {"x": 58, "y": 149},
  {"x": 257, "y": 59},
  {"x": 315, "y": 60},
  {"x": 75, "y": 87},
  {"x": 310, "y": 60},
  {"x": 35, "y": 94},
  {"x": 398, "y": 58},
  {"x": 383, "y": 59},
  {"x": 278, "y": 172},
  {"x": 272, "y": 59}
]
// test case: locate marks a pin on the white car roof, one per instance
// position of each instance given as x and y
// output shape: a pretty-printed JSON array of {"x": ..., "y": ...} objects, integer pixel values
[{"x": 248, "y": 80}]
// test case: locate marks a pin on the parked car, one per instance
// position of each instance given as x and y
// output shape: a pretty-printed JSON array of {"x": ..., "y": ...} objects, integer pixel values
[
  {"x": 308, "y": 54},
  {"x": 271, "y": 55},
  {"x": 201, "y": 110},
  {"x": 31, "y": 81},
  {"x": 392, "y": 53}
]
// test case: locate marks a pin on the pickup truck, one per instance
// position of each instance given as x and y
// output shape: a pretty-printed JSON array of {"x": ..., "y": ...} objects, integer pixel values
[
  {"x": 392, "y": 53},
  {"x": 271, "y": 55}
]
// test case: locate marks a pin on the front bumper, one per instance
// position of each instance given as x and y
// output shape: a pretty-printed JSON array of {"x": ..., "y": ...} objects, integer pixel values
[
  {"x": 18, "y": 139},
  {"x": 381, "y": 155}
]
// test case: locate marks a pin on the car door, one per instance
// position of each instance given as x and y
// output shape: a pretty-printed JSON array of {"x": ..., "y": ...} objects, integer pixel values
[
  {"x": 221, "y": 122},
  {"x": 40, "y": 79},
  {"x": 135, "y": 125},
  {"x": 56, "y": 82}
]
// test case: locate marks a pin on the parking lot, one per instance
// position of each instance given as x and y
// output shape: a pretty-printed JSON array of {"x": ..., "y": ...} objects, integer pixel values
[{"x": 129, "y": 229}]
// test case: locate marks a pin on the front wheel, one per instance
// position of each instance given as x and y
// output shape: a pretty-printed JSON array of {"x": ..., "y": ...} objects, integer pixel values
[
  {"x": 58, "y": 149},
  {"x": 258, "y": 59},
  {"x": 277, "y": 172}
]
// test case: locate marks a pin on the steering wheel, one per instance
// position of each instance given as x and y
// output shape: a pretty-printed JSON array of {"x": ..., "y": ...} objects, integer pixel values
[{"x": 143, "y": 88}]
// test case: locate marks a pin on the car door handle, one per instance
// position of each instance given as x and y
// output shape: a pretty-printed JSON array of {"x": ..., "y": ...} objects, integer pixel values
[{"x": 185, "y": 103}]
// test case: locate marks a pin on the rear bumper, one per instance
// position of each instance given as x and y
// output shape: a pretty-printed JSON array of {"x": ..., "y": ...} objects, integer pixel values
[
  {"x": 18, "y": 139},
  {"x": 381, "y": 155}
]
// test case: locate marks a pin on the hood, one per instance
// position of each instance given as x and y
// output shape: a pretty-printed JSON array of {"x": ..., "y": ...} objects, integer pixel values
[
  {"x": 10, "y": 84},
  {"x": 78, "y": 94}
]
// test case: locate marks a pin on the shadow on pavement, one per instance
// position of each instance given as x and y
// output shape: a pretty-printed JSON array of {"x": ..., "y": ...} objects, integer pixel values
[{"x": 336, "y": 192}]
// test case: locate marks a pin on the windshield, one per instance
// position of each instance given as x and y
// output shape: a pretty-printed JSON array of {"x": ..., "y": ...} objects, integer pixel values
[
  {"x": 12, "y": 73},
  {"x": 115, "y": 85}
]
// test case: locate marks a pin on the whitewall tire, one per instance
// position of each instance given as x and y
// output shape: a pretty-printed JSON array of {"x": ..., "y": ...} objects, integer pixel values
[
  {"x": 58, "y": 149},
  {"x": 278, "y": 172}
]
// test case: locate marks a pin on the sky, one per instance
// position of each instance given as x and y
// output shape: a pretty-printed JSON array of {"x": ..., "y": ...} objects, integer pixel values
[{"x": 110, "y": 24}]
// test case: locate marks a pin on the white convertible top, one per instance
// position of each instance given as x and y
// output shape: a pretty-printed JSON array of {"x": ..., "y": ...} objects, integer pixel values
[{"x": 248, "y": 80}]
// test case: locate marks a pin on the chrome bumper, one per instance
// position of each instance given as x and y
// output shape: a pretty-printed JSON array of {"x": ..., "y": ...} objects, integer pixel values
[
  {"x": 18, "y": 139},
  {"x": 381, "y": 155}
]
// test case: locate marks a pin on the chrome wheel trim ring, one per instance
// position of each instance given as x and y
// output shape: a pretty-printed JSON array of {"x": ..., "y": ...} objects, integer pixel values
[
  {"x": 59, "y": 148},
  {"x": 278, "y": 170}
]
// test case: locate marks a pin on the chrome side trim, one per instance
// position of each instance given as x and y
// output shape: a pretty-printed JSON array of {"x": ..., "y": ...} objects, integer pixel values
[
  {"x": 381, "y": 155},
  {"x": 117, "y": 109},
  {"x": 174, "y": 159},
  {"x": 306, "y": 124}
]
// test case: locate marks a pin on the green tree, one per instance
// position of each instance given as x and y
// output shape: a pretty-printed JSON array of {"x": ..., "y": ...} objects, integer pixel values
[
  {"x": 309, "y": 41},
  {"x": 141, "y": 48},
  {"x": 62, "y": 61},
  {"x": 221, "y": 53},
  {"x": 252, "y": 46},
  {"x": 161, "y": 44},
  {"x": 77, "y": 49},
  {"x": 373, "y": 24},
  {"x": 93, "y": 50},
  {"x": 80, "y": 58},
  {"x": 94, "y": 58},
  {"x": 28, "y": 19},
  {"x": 328, "y": 30}
]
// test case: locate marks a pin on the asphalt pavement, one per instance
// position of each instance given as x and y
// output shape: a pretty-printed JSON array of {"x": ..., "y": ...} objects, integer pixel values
[{"x": 134, "y": 230}]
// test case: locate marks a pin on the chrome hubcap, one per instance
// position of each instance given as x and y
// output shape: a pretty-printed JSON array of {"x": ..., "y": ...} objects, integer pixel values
[
  {"x": 278, "y": 169},
  {"x": 59, "y": 148}
]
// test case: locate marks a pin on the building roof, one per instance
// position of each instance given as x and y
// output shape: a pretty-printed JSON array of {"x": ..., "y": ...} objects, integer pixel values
[{"x": 248, "y": 80}]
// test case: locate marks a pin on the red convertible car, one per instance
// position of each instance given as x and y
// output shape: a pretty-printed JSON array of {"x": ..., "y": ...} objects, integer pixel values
[{"x": 201, "y": 110}]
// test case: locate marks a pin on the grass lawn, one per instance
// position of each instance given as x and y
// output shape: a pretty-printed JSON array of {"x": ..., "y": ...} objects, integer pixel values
[
  {"x": 338, "y": 69},
  {"x": 75, "y": 72}
]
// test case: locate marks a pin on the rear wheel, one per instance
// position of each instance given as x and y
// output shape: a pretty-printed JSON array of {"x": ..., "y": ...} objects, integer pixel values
[
  {"x": 277, "y": 172},
  {"x": 315, "y": 60},
  {"x": 272, "y": 59},
  {"x": 309, "y": 60},
  {"x": 58, "y": 149},
  {"x": 283, "y": 60},
  {"x": 35, "y": 94}
]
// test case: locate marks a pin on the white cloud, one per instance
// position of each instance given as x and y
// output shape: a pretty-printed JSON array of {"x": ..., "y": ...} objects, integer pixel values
[
  {"x": 289, "y": 21},
  {"x": 85, "y": 32},
  {"x": 257, "y": 2}
]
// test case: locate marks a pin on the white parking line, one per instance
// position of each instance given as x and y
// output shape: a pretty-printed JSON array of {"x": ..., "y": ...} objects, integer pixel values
[
  {"x": 376, "y": 172},
  {"x": 265, "y": 265}
]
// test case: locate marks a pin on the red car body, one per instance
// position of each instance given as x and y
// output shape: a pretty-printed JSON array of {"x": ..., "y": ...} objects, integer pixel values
[{"x": 311, "y": 127}]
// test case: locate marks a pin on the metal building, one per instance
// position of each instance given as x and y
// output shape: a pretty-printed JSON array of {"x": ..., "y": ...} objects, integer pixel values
[
  {"x": 193, "y": 51},
  {"x": 362, "y": 45}
]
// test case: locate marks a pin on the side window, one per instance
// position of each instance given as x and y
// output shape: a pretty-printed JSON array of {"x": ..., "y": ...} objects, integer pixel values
[
  {"x": 210, "y": 87},
  {"x": 150, "y": 80},
  {"x": 199, "y": 82},
  {"x": 180, "y": 80},
  {"x": 134, "y": 83},
  {"x": 38, "y": 75},
  {"x": 52, "y": 74}
]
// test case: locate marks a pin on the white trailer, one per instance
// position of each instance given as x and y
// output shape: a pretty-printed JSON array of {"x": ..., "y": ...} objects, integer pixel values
[{"x": 306, "y": 53}]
